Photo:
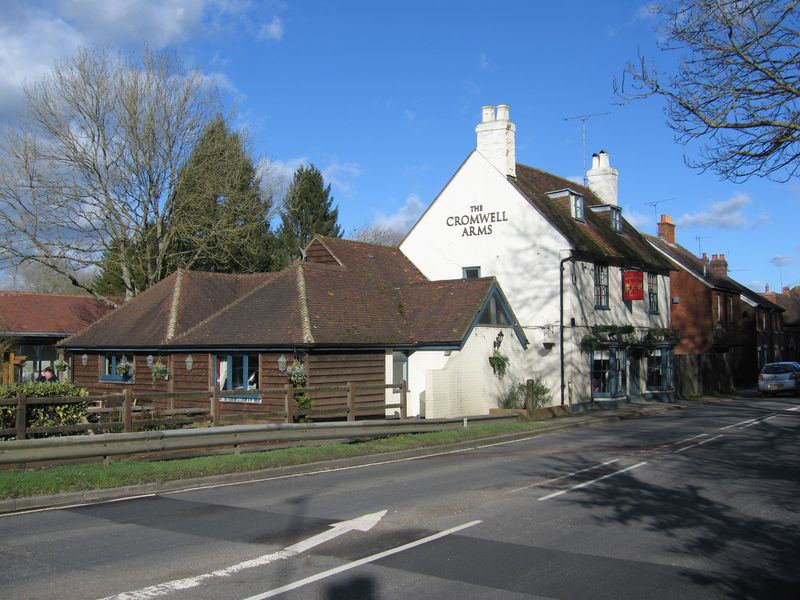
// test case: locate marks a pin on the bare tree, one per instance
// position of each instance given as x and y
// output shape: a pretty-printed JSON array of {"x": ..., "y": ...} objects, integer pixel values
[
  {"x": 375, "y": 234},
  {"x": 94, "y": 165},
  {"x": 737, "y": 85}
]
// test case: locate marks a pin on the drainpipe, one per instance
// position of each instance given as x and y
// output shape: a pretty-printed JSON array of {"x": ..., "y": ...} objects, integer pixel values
[{"x": 561, "y": 319}]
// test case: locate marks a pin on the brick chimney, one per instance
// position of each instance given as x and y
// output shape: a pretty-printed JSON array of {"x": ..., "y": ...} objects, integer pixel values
[
  {"x": 769, "y": 295},
  {"x": 666, "y": 229},
  {"x": 718, "y": 264},
  {"x": 603, "y": 178},
  {"x": 496, "y": 139},
  {"x": 786, "y": 290}
]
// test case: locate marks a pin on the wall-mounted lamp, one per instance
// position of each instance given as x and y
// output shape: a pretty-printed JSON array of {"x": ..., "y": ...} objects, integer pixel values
[
  {"x": 498, "y": 340},
  {"x": 85, "y": 359},
  {"x": 189, "y": 362},
  {"x": 282, "y": 364},
  {"x": 150, "y": 361}
]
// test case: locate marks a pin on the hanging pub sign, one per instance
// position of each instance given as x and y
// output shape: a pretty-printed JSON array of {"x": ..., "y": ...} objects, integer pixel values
[{"x": 633, "y": 285}]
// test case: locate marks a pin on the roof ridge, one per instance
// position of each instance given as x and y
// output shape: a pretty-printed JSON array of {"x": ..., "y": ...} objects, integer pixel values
[
  {"x": 305, "y": 320},
  {"x": 173, "y": 309}
]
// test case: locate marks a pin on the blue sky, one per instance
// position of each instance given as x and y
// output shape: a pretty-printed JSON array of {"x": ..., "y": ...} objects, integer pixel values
[{"x": 384, "y": 99}]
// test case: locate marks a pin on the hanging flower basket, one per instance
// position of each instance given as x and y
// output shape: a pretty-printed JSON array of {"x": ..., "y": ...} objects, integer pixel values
[
  {"x": 123, "y": 367},
  {"x": 296, "y": 373},
  {"x": 499, "y": 363},
  {"x": 61, "y": 365},
  {"x": 160, "y": 371}
]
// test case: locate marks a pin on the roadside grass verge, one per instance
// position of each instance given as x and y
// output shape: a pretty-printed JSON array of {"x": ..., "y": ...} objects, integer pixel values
[{"x": 75, "y": 478}]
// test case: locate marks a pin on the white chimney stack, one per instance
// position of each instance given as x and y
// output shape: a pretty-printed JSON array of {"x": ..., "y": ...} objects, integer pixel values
[
  {"x": 496, "y": 139},
  {"x": 602, "y": 178}
]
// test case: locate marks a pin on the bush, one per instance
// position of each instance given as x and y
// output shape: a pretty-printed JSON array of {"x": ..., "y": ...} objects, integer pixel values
[
  {"x": 515, "y": 395},
  {"x": 53, "y": 415}
]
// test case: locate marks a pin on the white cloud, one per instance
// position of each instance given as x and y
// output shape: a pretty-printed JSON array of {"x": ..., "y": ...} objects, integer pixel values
[
  {"x": 409, "y": 115},
  {"x": 781, "y": 261},
  {"x": 647, "y": 12},
  {"x": 276, "y": 175},
  {"x": 337, "y": 174},
  {"x": 640, "y": 221},
  {"x": 404, "y": 218},
  {"x": 272, "y": 30},
  {"x": 757, "y": 285},
  {"x": 727, "y": 214},
  {"x": 483, "y": 62}
]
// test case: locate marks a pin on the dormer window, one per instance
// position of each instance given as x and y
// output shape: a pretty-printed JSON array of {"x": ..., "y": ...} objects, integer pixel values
[
  {"x": 616, "y": 219},
  {"x": 577, "y": 208}
]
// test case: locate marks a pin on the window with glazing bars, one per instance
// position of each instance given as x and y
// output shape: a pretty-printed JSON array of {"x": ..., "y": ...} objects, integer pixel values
[{"x": 601, "y": 286}]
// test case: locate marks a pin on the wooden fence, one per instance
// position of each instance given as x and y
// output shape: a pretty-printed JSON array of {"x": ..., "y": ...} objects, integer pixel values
[{"x": 129, "y": 412}]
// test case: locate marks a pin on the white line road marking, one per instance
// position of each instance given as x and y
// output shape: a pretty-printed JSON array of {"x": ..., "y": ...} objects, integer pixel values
[
  {"x": 761, "y": 420},
  {"x": 363, "y": 523},
  {"x": 358, "y": 563},
  {"x": 716, "y": 437},
  {"x": 795, "y": 408},
  {"x": 694, "y": 437},
  {"x": 586, "y": 483},
  {"x": 737, "y": 424},
  {"x": 546, "y": 481}
]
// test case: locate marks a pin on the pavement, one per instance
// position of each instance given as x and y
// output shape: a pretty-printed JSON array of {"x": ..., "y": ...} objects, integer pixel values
[{"x": 629, "y": 410}]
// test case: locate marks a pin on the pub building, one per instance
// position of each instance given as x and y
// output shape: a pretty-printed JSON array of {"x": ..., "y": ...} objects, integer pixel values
[{"x": 591, "y": 294}]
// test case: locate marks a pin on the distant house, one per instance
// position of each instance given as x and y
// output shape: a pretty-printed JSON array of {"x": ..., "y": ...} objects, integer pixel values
[
  {"x": 591, "y": 294},
  {"x": 33, "y": 323},
  {"x": 789, "y": 301},
  {"x": 351, "y": 312},
  {"x": 728, "y": 330}
]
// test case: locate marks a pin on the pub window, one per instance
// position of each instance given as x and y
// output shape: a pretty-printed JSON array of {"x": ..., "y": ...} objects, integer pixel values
[
  {"x": 652, "y": 293},
  {"x": 601, "y": 286},
  {"x": 471, "y": 272},
  {"x": 616, "y": 219},
  {"x": 237, "y": 371},
  {"x": 494, "y": 313},
  {"x": 609, "y": 377},
  {"x": 577, "y": 208},
  {"x": 659, "y": 369},
  {"x": 114, "y": 367}
]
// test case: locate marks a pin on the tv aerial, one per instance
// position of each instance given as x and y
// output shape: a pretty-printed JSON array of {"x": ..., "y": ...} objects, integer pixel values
[{"x": 583, "y": 119}]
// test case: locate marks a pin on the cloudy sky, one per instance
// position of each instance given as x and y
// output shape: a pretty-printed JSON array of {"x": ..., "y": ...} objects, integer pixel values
[{"x": 384, "y": 99}]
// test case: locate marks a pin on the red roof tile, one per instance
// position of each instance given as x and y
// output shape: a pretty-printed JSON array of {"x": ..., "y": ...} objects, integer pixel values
[{"x": 59, "y": 314}]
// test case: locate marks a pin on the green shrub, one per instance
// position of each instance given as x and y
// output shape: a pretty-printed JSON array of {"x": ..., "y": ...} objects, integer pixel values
[
  {"x": 514, "y": 397},
  {"x": 52, "y": 415}
]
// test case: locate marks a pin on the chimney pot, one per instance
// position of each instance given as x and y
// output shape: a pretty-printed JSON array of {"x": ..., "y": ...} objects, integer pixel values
[
  {"x": 705, "y": 257},
  {"x": 766, "y": 289},
  {"x": 496, "y": 139},
  {"x": 666, "y": 229},
  {"x": 786, "y": 290},
  {"x": 603, "y": 179},
  {"x": 714, "y": 257}
]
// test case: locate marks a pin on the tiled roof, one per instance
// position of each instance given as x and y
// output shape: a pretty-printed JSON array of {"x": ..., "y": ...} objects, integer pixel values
[
  {"x": 704, "y": 272},
  {"x": 348, "y": 294},
  {"x": 30, "y": 313},
  {"x": 791, "y": 307},
  {"x": 593, "y": 239}
]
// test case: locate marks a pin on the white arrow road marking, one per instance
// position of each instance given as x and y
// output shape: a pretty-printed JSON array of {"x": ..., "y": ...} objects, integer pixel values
[
  {"x": 362, "y": 561},
  {"x": 363, "y": 523},
  {"x": 585, "y": 483}
]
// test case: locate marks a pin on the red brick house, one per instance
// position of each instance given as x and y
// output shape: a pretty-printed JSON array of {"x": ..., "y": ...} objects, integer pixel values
[
  {"x": 351, "y": 312},
  {"x": 33, "y": 323},
  {"x": 789, "y": 301},
  {"x": 727, "y": 330}
]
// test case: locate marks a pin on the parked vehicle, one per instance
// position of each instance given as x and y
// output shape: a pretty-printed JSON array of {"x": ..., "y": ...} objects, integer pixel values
[{"x": 775, "y": 378}]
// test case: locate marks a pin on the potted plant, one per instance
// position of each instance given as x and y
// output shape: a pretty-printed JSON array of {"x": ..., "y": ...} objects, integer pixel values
[
  {"x": 296, "y": 373},
  {"x": 160, "y": 371},
  {"x": 61, "y": 365},
  {"x": 499, "y": 363},
  {"x": 123, "y": 367}
]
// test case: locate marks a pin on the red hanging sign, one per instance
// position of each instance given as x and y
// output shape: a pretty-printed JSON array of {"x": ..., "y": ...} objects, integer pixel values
[{"x": 633, "y": 285}]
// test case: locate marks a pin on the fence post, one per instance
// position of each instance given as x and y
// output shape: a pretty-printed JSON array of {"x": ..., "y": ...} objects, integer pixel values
[
  {"x": 127, "y": 412},
  {"x": 288, "y": 403},
  {"x": 215, "y": 416},
  {"x": 403, "y": 400},
  {"x": 351, "y": 405},
  {"x": 529, "y": 397},
  {"x": 22, "y": 414}
]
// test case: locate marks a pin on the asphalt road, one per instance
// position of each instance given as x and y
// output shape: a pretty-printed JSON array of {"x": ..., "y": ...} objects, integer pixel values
[{"x": 699, "y": 503}]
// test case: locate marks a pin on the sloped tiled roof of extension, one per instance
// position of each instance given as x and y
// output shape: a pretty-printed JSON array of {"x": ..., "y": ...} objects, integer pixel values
[
  {"x": 791, "y": 308},
  {"x": 348, "y": 294},
  {"x": 593, "y": 239},
  {"x": 695, "y": 265},
  {"x": 29, "y": 313},
  {"x": 166, "y": 309}
]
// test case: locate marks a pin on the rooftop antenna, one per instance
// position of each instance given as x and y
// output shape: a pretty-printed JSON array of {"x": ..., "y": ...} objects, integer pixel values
[
  {"x": 583, "y": 119},
  {"x": 655, "y": 204}
]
